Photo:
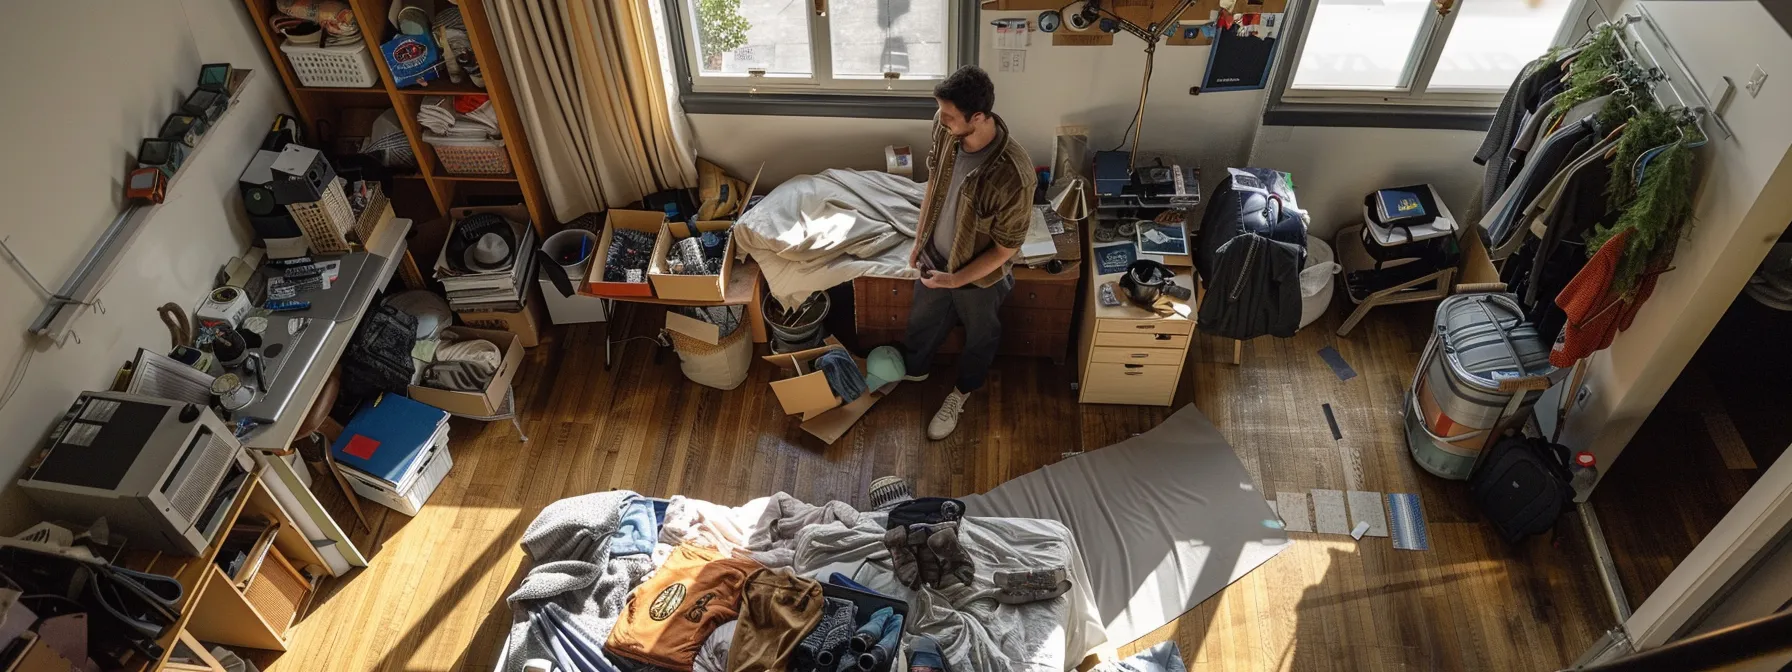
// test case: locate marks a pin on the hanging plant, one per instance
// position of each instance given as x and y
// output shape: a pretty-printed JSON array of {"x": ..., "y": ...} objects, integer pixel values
[
  {"x": 1648, "y": 129},
  {"x": 1589, "y": 73},
  {"x": 1657, "y": 215}
]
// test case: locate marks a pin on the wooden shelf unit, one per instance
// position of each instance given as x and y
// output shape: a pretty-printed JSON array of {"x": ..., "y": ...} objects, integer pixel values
[{"x": 317, "y": 105}]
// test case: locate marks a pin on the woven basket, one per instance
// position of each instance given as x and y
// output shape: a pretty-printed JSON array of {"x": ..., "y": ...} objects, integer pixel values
[
  {"x": 345, "y": 67},
  {"x": 277, "y": 592},
  {"x": 469, "y": 156},
  {"x": 326, "y": 221},
  {"x": 722, "y": 366},
  {"x": 379, "y": 211}
]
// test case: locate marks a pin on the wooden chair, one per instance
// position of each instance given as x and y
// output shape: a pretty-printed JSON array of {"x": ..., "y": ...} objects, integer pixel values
[{"x": 1475, "y": 273}]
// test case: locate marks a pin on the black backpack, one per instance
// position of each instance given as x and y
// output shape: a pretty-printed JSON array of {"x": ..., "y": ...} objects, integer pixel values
[
  {"x": 1523, "y": 486},
  {"x": 379, "y": 356}
]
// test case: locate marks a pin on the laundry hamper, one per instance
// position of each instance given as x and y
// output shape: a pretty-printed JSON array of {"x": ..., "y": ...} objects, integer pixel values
[
  {"x": 470, "y": 156},
  {"x": 1483, "y": 369},
  {"x": 722, "y": 366},
  {"x": 348, "y": 67},
  {"x": 327, "y": 221},
  {"x": 1317, "y": 280}
]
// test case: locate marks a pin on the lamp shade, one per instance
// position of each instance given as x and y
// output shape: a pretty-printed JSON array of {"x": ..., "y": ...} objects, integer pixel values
[{"x": 1072, "y": 201}]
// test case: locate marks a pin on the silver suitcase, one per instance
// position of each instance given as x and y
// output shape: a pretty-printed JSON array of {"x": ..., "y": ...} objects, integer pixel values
[{"x": 1482, "y": 370}]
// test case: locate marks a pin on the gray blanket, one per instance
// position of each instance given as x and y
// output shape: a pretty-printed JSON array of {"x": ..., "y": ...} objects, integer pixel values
[
  {"x": 817, "y": 231},
  {"x": 573, "y": 595}
]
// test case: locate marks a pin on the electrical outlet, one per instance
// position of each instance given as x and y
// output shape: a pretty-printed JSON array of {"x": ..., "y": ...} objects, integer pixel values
[
  {"x": 664, "y": 338},
  {"x": 1755, "y": 80}
]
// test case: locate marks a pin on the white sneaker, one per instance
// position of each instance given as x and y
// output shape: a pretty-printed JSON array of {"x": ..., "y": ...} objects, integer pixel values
[{"x": 946, "y": 419}]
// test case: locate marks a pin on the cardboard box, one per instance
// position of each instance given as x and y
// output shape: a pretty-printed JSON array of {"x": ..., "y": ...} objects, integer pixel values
[
  {"x": 694, "y": 328},
  {"x": 650, "y": 223},
  {"x": 408, "y": 501},
  {"x": 486, "y": 403},
  {"x": 705, "y": 287},
  {"x": 526, "y": 324},
  {"x": 807, "y": 393}
]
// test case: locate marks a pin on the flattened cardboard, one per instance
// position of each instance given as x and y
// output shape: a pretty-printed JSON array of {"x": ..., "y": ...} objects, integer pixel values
[
  {"x": 694, "y": 328},
  {"x": 648, "y": 222},
  {"x": 484, "y": 403},
  {"x": 703, "y": 287}
]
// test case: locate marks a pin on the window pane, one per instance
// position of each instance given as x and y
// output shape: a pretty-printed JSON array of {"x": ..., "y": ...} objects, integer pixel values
[
  {"x": 1359, "y": 44},
  {"x": 871, "y": 37},
  {"x": 734, "y": 36},
  {"x": 1493, "y": 39}
]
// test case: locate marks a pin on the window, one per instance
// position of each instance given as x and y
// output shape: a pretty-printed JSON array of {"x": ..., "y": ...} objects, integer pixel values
[
  {"x": 799, "y": 48},
  {"x": 1353, "y": 54}
]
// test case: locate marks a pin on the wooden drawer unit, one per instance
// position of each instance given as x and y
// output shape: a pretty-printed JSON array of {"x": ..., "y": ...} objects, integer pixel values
[
  {"x": 1036, "y": 317},
  {"x": 1128, "y": 354}
]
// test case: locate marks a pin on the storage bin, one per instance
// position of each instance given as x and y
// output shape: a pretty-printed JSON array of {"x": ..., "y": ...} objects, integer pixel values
[
  {"x": 722, "y": 366},
  {"x": 470, "y": 156},
  {"x": 277, "y": 592},
  {"x": 1316, "y": 280},
  {"x": 347, "y": 66},
  {"x": 326, "y": 221}
]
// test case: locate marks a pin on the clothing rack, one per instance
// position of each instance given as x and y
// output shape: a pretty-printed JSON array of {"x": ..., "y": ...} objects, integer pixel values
[{"x": 1672, "y": 85}]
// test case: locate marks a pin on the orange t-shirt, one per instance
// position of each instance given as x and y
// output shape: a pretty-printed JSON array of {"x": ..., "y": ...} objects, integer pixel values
[{"x": 672, "y": 612}]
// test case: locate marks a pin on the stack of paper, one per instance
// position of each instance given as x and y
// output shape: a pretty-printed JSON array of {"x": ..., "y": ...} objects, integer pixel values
[
  {"x": 1039, "y": 247},
  {"x": 499, "y": 290}
]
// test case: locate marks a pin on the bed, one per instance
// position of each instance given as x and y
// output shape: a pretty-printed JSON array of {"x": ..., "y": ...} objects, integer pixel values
[{"x": 817, "y": 231}]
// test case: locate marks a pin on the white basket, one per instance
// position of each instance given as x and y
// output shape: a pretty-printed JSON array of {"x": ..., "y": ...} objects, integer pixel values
[{"x": 346, "y": 67}]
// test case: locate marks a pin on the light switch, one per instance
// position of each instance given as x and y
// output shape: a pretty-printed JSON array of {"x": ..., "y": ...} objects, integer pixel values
[{"x": 1755, "y": 81}]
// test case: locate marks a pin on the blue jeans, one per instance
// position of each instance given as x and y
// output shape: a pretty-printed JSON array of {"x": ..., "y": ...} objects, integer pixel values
[{"x": 933, "y": 314}]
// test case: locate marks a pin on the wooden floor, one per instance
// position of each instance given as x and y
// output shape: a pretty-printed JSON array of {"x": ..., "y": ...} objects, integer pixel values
[{"x": 433, "y": 597}]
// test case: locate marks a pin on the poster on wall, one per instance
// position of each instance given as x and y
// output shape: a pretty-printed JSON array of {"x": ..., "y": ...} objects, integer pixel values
[{"x": 1244, "y": 48}]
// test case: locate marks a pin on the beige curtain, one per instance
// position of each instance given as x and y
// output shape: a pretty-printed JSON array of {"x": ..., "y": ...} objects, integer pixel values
[{"x": 592, "y": 83}]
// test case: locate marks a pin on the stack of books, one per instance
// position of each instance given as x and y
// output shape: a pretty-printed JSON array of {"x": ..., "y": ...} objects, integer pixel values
[
  {"x": 500, "y": 290},
  {"x": 395, "y": 452}
]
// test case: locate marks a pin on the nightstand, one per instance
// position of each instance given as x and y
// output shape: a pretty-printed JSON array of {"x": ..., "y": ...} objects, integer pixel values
[{"x": 1127, "y": 354}]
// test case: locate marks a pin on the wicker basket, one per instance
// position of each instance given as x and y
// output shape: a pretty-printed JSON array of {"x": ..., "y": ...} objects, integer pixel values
[
  {"x": 277, "y": 592},
  {"x": 379, "y": 211},
  {"x": 346, "y": 67},
  {"x": 327, "y": 221},
  {"x": 469, "y": 156}
]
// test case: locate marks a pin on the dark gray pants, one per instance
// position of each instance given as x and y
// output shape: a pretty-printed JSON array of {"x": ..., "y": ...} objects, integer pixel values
[{"x": 934, "y": 312}]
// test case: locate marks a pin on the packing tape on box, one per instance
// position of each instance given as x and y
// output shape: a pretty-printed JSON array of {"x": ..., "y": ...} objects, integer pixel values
[{"x": 898, "y": 160}]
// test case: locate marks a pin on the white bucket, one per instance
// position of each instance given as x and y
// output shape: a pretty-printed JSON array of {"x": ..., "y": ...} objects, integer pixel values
[{"x": 1316, "y": 280}]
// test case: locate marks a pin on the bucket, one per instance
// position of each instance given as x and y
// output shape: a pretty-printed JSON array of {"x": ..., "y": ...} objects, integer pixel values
[
  {"x": 1316, "y": 280},
  {"x": 572, "y": 250},
  {"x": 798, "y": 328}
]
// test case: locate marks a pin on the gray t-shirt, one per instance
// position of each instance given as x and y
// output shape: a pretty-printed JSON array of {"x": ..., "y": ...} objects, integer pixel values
[{"x": 946, "y": 229}]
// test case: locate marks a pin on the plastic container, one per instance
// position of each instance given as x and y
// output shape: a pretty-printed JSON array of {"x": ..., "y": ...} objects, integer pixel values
[
  {"x": 470, "y": 156},
  {"x": 1317, "y": 280},
  {"x": 346, "y": 66}
]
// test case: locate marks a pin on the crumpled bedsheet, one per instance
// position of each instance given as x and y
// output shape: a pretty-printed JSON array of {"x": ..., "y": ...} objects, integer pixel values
[{"x": 817, "y": 231}]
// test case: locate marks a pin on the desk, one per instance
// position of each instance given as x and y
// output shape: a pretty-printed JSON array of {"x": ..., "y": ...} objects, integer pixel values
[
  {"x": 1127, "y": 354},
  {"x": 1035, "y": 318},
  {"x": 279, "y": 477},
  {"x": 744, "y": 289}
]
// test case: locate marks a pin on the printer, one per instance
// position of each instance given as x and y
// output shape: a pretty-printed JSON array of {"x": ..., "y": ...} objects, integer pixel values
[{"x": 163, "y": 473}]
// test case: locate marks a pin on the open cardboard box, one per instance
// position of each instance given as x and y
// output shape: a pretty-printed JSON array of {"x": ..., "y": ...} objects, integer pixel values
[
  {"x": 702, "y": 287},
  {"x": 807, "y": 393},
  {"x": 517, "y": 215},
  {"x": 485, "y": 403},
  {"x": 648, "y": 222},
  {"x": 527, "y": 324}
]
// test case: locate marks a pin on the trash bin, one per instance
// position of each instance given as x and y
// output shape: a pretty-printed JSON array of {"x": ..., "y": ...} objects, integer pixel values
[{"x": 1316, "y": 280}]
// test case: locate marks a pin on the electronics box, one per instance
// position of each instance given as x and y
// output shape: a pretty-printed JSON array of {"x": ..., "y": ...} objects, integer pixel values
[
  {"x": 650, "y": 223},
  {"x": 162, "y": 472},
  {"x": 694, "y": 287},
  {"x": 481, "y": 404}
]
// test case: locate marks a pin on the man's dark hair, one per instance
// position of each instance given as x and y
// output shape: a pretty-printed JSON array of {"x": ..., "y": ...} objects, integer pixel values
[{"x": 969, "y": 90}]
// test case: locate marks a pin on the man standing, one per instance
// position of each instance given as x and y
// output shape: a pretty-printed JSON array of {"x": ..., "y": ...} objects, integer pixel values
[{"x": 973, "y": 219}]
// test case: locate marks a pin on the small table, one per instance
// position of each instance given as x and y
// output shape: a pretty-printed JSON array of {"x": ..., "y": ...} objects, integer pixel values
[
  {"x": 744, "y": 289},
  {"x": 1127, "y": 354}
]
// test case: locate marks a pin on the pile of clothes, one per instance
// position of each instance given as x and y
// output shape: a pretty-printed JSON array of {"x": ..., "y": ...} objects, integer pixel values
[
  {"x": 624, "y": 582},
  {"x": 470, "y": 117}
]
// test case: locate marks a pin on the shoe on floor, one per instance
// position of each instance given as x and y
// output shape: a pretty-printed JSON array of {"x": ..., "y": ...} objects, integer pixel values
[
  {"x": 915, "y": 379},
  {"x": 946, "y": 419},
  {"x": 888, "y": 491}
]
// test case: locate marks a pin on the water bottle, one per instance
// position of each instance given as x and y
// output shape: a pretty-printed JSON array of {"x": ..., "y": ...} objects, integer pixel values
[{"x": 1585, "y": 471}]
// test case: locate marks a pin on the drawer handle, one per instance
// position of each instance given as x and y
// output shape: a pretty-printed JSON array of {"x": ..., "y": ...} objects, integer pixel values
[
  {"x": 1140, "y": 355},
  {"x": 893, "y": 291},
  {"x": 1161, "y": 337},
  {"x": 1032, "y": 297},
  {"x": 1135, "y": 373},
  {"x": 1134, "y": 366},
  {"x": 1144, "y": 326}
]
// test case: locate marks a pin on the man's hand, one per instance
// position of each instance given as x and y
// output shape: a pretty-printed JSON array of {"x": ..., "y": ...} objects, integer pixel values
[{"x": 938, "y": 280}]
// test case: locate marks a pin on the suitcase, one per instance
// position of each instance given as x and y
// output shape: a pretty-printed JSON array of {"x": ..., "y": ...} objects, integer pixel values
[
  {"x": 1483, "y": 369},
  {"x": 1523, "y": 487}
]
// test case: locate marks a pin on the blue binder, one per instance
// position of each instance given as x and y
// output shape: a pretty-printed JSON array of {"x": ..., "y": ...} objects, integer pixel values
[{"x": 385, "y": 437}]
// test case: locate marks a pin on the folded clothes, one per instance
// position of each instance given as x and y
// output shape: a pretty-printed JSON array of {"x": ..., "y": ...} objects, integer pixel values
[{"x": 843, "y": 374}]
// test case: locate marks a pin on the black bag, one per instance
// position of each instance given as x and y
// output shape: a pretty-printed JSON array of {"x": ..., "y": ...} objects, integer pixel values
[
  {"x": 1523, "y": 486},
  {"x": 379, "y": 356}
]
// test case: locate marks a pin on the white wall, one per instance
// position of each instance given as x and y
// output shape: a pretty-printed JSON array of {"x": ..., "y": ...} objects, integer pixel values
[
  {"x": 1334, "y": 168},
  {"x": 89, "y": 79},
  {"x": 1096, "y": 86},
  {"x": 1744, "y": 203}
]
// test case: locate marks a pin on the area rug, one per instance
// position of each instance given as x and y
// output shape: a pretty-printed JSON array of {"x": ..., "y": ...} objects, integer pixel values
[{"x": 1163, "y": 520}]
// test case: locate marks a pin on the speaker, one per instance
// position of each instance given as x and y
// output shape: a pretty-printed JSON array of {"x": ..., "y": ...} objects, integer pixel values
[
  {"x": 258, "y": 199},
  {"x": 300, "y": 175},
  {"x": 276, "y": 226}
]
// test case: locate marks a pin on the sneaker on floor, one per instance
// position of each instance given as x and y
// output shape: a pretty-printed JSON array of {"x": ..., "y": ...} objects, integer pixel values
[
  {"x": 915, "y": 379},
  {"x": 946, "y": 419},
  {"x": 888, "y": 491}
]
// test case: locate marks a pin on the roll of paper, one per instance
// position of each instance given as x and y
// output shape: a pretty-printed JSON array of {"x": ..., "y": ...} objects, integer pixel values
[{"x": 898, "y": 160}]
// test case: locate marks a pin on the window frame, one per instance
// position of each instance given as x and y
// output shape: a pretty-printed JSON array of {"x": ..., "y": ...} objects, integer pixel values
[
  {"x": 1411, "y": 104},
  {"x": 816, "y": 95}
]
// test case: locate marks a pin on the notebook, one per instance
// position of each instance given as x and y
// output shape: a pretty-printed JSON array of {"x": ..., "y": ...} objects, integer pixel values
[
  {"x": 385, "y": 437},
  {"x": 1399, "y": 205}
]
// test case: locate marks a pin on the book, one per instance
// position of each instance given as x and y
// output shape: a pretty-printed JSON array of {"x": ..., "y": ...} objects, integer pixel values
[
  {"x": 385, "y": 437},
  {"x": 1162, "y": 238},
  {"x": 1114, "y": 257},
  {"x": 1395, "y": 205}
]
